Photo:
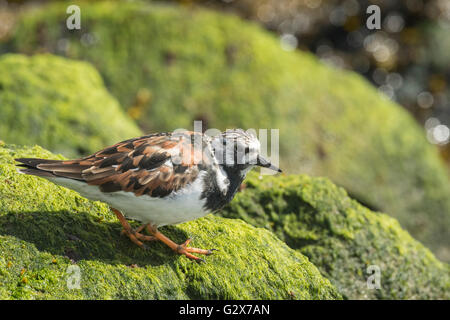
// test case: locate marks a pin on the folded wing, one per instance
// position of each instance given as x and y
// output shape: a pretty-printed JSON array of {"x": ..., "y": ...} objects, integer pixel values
[{"x": 155, "y": 165}]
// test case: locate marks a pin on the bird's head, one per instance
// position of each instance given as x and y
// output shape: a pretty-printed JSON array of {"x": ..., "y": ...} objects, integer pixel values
[{"x": 239, "y": 150}]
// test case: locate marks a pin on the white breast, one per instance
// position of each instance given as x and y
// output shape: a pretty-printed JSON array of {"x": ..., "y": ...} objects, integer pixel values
[{"x": 184, "y": 205}]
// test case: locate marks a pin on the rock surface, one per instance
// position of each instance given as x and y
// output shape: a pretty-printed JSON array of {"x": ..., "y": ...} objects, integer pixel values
[
  {"x": 346, "y": 241},
  {"x": 49, "y": 235}
]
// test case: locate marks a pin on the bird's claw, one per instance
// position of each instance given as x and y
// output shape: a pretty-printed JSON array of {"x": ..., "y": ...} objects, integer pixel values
[
  {"x": 210, "y": 251},
  {"x": 187, "y": 251}
]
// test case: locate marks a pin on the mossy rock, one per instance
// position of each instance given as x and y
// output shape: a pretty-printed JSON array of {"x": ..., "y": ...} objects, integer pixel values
[
  {"x": 345, "y": 240},
  {"x": 45, "y": 228},
  {"x": 169, "y": 65},
  {"x": 60, "y": 104}
]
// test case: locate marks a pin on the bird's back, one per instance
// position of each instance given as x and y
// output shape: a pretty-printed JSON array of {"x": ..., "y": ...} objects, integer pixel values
[{"x": 160, "y": 175}]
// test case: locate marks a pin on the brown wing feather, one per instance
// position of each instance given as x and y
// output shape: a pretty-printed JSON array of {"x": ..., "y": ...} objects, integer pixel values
[{"x": 155, "y": 165}]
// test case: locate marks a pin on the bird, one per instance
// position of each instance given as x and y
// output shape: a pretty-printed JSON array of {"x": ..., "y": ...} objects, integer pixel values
[{"x": 160, "y": 179}]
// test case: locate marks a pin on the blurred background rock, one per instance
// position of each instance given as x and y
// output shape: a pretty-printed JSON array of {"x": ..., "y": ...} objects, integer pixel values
[
  {"x": 170, "y": 63},
  {"x": 407, "y": 59},
  {"x": 59, "y": 103}
]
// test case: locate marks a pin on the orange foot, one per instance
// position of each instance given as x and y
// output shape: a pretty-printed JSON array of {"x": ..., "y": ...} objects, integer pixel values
[
  {"x": 179, "y": 248},
  {"x": 137, "y": 234},
  {"x": 134, "y": 235},
  {"x": 137, "y": 237}
]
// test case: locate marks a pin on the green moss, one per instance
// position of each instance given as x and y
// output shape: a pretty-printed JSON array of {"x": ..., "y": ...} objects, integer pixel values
[
  {"x": 169, "y": 65},
  {"x": 44, "y": 229},
  {"x": 60, "y": 104},
  {"x": 342, "y": 238}
]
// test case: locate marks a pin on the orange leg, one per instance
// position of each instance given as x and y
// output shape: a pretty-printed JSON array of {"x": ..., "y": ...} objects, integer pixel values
[
  {"x": 137, "y": 238},
  {"x": 179, "y": 248},
  {"x": 134, "y": 235},
  {"x": 139, "y": 235}
]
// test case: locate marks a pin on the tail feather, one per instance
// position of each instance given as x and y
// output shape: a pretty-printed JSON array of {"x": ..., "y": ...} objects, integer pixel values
[
  {"x": 29, "y": 166},
  {"x": 37, "y": 172},
  {"x": 51, "y": 168},
  {"x": 34, "y": 162}
]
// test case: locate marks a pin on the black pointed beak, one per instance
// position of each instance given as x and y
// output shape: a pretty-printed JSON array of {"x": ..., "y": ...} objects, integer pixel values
[{"x": 262, "y": 162}]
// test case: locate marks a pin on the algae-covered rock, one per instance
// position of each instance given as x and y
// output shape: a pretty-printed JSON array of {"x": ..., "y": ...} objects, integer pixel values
[
  {"x": 60, "y": 104},
  {"x": 49, "y": 235},
  {"x": 346, "y": 241},
  {"x": 170, "y": 65}
]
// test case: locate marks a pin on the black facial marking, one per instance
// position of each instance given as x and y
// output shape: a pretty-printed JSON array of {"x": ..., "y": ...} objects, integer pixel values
[{"x": 215, "y": 199}]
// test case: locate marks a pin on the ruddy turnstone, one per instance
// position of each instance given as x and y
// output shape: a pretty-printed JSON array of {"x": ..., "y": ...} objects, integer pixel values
[{"x": 159, "y": 179}]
